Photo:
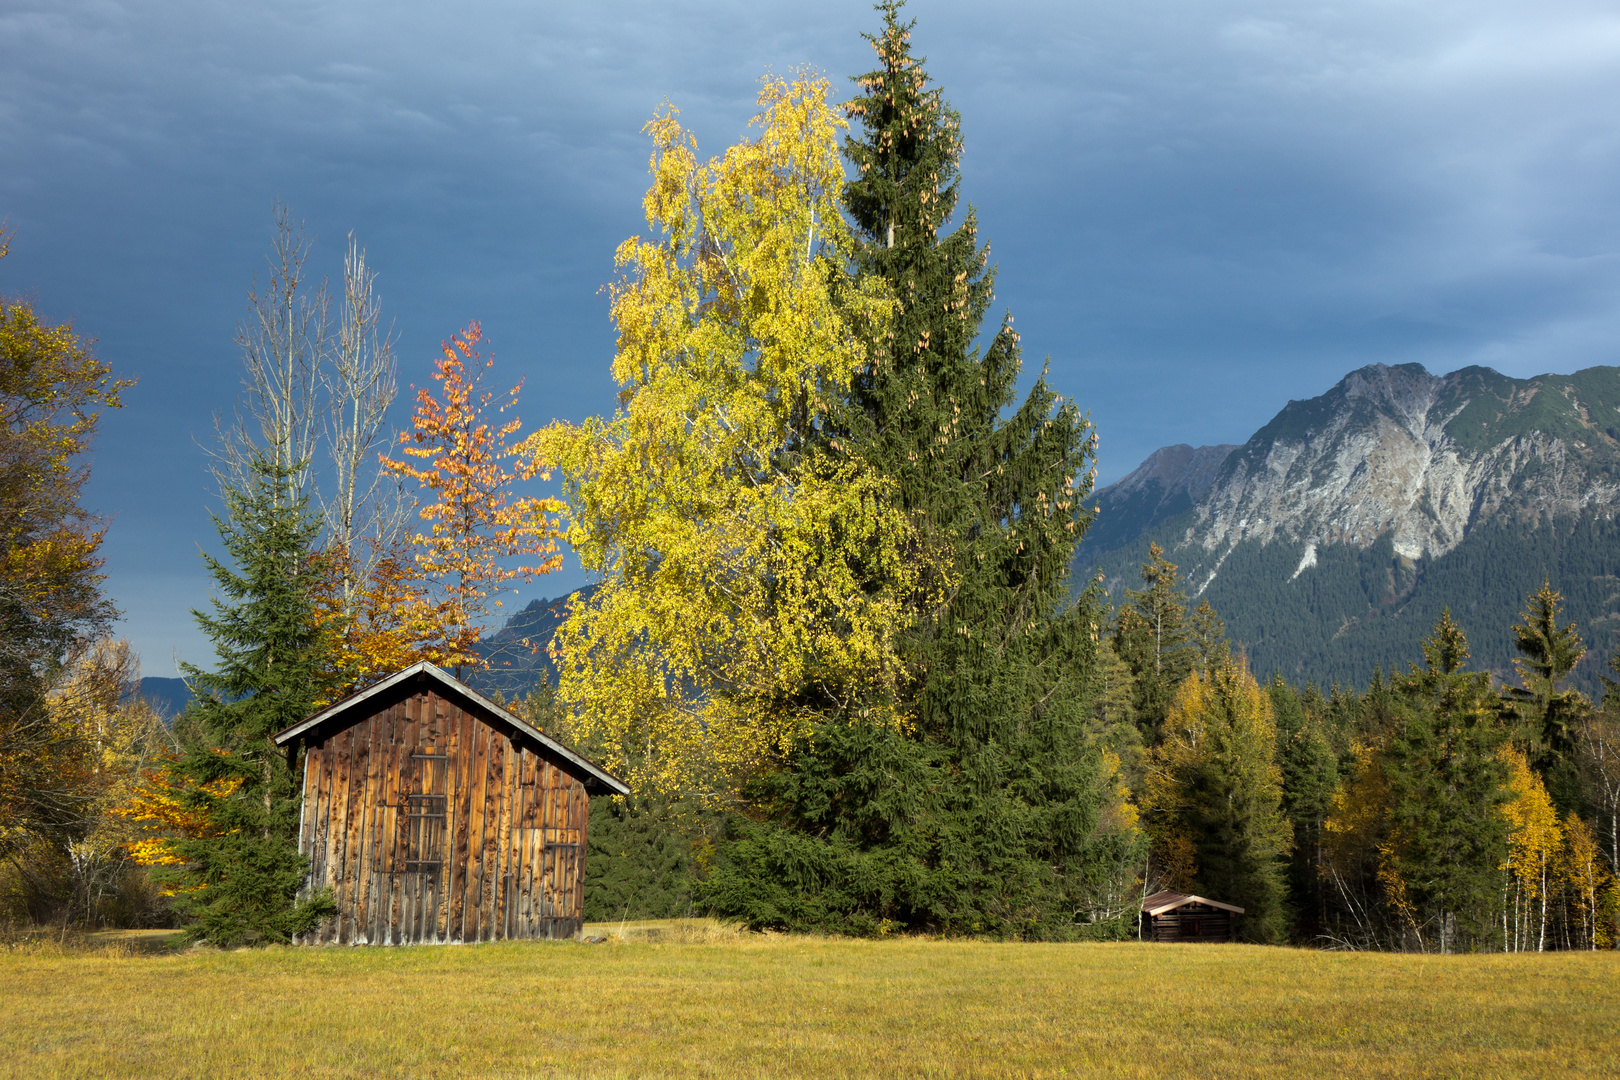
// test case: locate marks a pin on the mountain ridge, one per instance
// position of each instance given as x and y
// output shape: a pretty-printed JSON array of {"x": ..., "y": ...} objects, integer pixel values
[{"x": 1344, "y": 507}]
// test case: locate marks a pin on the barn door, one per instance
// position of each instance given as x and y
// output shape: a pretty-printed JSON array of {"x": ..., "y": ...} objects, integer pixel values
[
  {"x": 560, "y": 864},
  {"x": 424, "y": 827}
]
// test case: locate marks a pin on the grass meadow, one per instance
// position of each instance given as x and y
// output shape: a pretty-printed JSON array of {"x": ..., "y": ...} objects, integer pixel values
[{"x": 696, "y": 1000}]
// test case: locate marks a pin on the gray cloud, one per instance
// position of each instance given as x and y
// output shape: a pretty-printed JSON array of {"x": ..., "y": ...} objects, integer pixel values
[{"x": 1199, "y": 209}]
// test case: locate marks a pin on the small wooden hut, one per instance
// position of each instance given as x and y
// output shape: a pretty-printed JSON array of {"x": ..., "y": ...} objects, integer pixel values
[
  {"x": 1174, "y": 916},
  {"x": 434, "y": 816}
]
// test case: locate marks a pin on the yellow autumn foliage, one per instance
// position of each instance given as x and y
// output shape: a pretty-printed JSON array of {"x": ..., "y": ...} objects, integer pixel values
[
  {"x": 1534, "y": 833},
  {"x": 752, "y": 577},
  {"x": 1360, "y": 809},
  {"x": 1589, "y": 885},
  {"x": 164, "y": 810},
  {"x": 1212, "y": 796}
]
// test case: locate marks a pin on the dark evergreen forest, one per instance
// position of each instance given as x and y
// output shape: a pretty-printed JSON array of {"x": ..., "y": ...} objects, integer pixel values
[{"x": 1358, "y": 610}]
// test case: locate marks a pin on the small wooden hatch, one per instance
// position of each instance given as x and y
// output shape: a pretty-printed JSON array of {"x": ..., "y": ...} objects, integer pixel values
[
  {"x": 1176, "y": 916},
  {"x": 435, "y": 815}
]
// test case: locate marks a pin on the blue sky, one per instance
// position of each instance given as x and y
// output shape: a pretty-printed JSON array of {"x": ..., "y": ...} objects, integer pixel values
[{"x": 1199, "y": 209}]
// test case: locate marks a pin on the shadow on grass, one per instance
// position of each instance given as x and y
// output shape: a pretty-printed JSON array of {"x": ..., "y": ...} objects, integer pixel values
[
  {"x": 668, "y": 931},
  {"x": 53, "y": 940}
]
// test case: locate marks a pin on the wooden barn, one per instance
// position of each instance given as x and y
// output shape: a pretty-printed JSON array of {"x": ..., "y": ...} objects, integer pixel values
[
  {"x": 435, "y": 816},
  {"x": 1174, "y": 916}
]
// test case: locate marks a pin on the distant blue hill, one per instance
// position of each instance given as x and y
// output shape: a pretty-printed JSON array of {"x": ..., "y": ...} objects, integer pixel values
[
  {"x": 516, "y": 654},
  {"x": 167, "y": 696}
]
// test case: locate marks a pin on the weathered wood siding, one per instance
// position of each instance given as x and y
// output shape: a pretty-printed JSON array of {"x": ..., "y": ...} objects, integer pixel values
[
  {"x": 432, "y": 824},
  {"x": 1192, "y": 922}
]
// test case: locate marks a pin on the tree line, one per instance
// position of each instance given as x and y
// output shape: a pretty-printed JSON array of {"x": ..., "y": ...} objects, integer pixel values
[
  {"x": 1436, "y": 810},
  {"x": 834, "y": 644}
]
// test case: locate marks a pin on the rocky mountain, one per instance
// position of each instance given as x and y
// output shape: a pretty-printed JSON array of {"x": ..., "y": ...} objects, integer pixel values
[
  {"x": 1172, "y": 481},
  {"x": 1332, "y": 538},
  {"x": 516, "y": 653}
]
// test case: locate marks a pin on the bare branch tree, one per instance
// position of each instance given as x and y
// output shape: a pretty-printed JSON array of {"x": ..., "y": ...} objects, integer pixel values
[
  {"x": 364, "y": 510},
  {"x": 314, "y": 387},
  {"x": 283, "y": 341},
  {"x": 1598, "y": 753}
]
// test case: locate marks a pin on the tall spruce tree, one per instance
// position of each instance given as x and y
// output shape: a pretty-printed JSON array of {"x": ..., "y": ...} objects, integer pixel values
[
  {"x": 1214, "y": 792},
  {"x": 1006, "y": 495},
  {"x": 1207, "y": 634},
  {"x": 1152, "y": 637},
  {"x": 1549, "y": 718},
  {"x": 1446, "y": 782},
  {"x": 984, "y": 816},
  {"x": 240, "y": 881},
  {"x": 1310, "y": 777}
]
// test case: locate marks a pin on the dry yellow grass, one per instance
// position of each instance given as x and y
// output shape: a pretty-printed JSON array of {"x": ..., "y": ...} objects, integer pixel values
[{"x": 702, "y": 1000}]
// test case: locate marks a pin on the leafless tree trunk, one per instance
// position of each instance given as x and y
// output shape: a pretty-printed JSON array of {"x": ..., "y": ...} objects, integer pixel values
[
  {"x": 318, "y": 387},
  {"x": 363, "y": 509},
  {"x": 282, "y": 341},
  {"x": 1598, "y": 749}
]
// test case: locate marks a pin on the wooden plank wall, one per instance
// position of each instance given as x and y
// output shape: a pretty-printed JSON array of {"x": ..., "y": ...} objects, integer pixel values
[
  {"x": 512, "y": 844},
  {"x": 1194, "y": 922}
]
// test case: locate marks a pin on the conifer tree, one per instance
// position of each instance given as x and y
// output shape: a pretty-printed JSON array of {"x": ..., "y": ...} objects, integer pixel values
[
  {"x": 1310, "y": 776},
  {"x": 1152, "y": 637},
  {"x": 983, "y": 817},
  {"x": 1006, "y": 494},
  {"x": 1214, "y": 787},
  {"x": 1549, "y": 717},
  {"x": 1207, "y": 633},
  {"x": 1446, "y": 781},
  {"x": 239, "y": 881},
  {"x": 1113, "y": 709}
]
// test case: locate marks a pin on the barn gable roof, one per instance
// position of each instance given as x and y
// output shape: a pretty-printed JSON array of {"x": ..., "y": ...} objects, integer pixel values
[
  {"x": 1161, "y": 902},
  {"x": 426, "y": 670}
]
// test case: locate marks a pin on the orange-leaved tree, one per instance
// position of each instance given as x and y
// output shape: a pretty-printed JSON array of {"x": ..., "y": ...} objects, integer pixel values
[
  {"x": 166, "y": 807},
  {"x": 52, "y": 392},
  {"x": 378, "y": 620},
  {"x": 477, "y": 525}
]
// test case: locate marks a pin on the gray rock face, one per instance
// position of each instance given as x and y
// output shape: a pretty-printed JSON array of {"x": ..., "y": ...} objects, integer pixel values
[
  {"x": 1396, "y": 451},
  {"x": 1173, "y": 469},
  {"x": 1333, "y": 539},
  {"x": 1170, "y": 482}
]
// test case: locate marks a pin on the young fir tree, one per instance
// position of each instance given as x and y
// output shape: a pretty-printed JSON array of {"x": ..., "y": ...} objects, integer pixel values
[
  {"x": 984, "y": 816},
  {"x": 1113, "y": 710},
  {"x": 1549, "y": 718},
  {"x": 240, "y": 880},
  {"x": 1310, "y": 776},
  {"x": 1215, "y": 792},
  {"x": 1207, "y": 633},
  {"x": 1446, "y": 782},
  {"x": 1152, "y": 637}
]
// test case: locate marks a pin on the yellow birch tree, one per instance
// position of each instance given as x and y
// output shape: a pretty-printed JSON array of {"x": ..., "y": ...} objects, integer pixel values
[
  {"x": 752, "y": 576},
  {"x": 1586, "y": 882},
  {"x": 1355, "y": 849},
  {"x": 1535, "y": 839}
]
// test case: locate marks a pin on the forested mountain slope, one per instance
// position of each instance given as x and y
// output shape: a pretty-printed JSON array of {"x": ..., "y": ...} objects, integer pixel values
[
  {"x": 517, "y": 653},
  {"x": 1331, "y": 540}
]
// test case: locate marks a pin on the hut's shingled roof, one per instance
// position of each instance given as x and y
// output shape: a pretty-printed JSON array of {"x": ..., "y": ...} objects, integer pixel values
[
  {"x": 1161, "y": 902},
  {"x": 606, "y": 781}
]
